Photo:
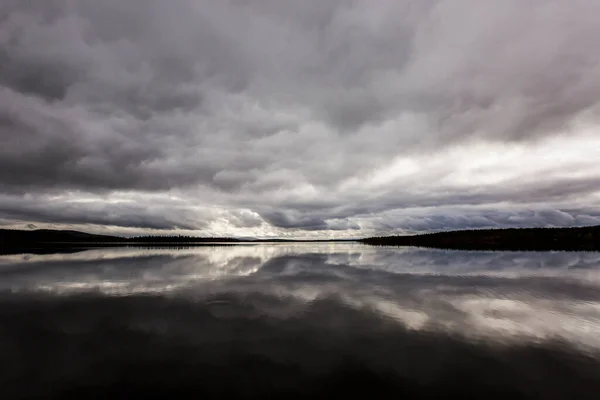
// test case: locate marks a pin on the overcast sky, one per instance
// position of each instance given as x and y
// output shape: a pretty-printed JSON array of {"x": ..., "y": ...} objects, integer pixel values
[{"x": 335, "y": 118}]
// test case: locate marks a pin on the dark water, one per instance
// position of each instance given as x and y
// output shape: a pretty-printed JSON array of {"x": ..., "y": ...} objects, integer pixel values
[{"x": 307, "y": 320}]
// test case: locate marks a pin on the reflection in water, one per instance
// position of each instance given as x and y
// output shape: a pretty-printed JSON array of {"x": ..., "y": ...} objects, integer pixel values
[{"x": 420, "y": 320}]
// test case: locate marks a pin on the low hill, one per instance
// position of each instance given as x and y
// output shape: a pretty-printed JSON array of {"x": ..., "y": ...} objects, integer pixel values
[
  {"x": 578, "y": 238},
  {"x": 50, "y": 238},
  {"x": 13, "y": 237}
]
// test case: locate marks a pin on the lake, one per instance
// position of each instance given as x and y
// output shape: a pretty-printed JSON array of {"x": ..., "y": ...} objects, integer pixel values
[{"x": 300, "y": 320}]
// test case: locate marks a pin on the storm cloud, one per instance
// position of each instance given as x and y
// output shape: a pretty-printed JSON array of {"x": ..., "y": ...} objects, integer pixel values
[{"x": 290, "y": 118}]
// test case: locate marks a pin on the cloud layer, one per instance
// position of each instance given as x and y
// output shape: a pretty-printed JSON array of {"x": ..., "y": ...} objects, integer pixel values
[{"x": 299, "y": 118}]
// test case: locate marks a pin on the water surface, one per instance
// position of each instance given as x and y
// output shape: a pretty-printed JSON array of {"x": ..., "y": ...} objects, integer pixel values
[{"x": 303, "y": 319}]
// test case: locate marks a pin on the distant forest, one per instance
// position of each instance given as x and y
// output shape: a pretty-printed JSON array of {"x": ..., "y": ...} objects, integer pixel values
[
  {"x": 49, "y": 237},
  {"x": 42, "y": 240},
  {"x": 580, "y": 238}
]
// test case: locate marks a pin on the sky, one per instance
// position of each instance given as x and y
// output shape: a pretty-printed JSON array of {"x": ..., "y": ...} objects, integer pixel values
[{"x": 304, "y": 119}]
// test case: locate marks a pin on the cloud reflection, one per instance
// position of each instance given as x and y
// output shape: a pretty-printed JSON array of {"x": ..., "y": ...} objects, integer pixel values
[{"x": 503, "y": 295}]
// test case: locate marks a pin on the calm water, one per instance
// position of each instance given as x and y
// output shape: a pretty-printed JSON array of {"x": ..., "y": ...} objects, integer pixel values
[{"x": 304, "y": 320}]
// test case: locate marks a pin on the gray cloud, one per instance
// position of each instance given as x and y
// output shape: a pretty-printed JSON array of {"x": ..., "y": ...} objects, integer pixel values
[
  {"x": 129, "y": 214},
  {"x": 274, "y": 106}
]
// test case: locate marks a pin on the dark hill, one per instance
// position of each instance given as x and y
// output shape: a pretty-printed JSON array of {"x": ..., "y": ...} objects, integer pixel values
[
  {"x": 14, "y": 241},
  {"x": 579, "y": 238},
  {"x": 9, "y": 236}
]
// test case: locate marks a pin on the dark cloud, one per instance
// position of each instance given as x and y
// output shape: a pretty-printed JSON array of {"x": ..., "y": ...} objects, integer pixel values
[
  {"x": 289, "y": 220},
  {"x": 125, "y": 214},
  {"x": 254, "y": 106},
  {"x": 448, "y": 218}
]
